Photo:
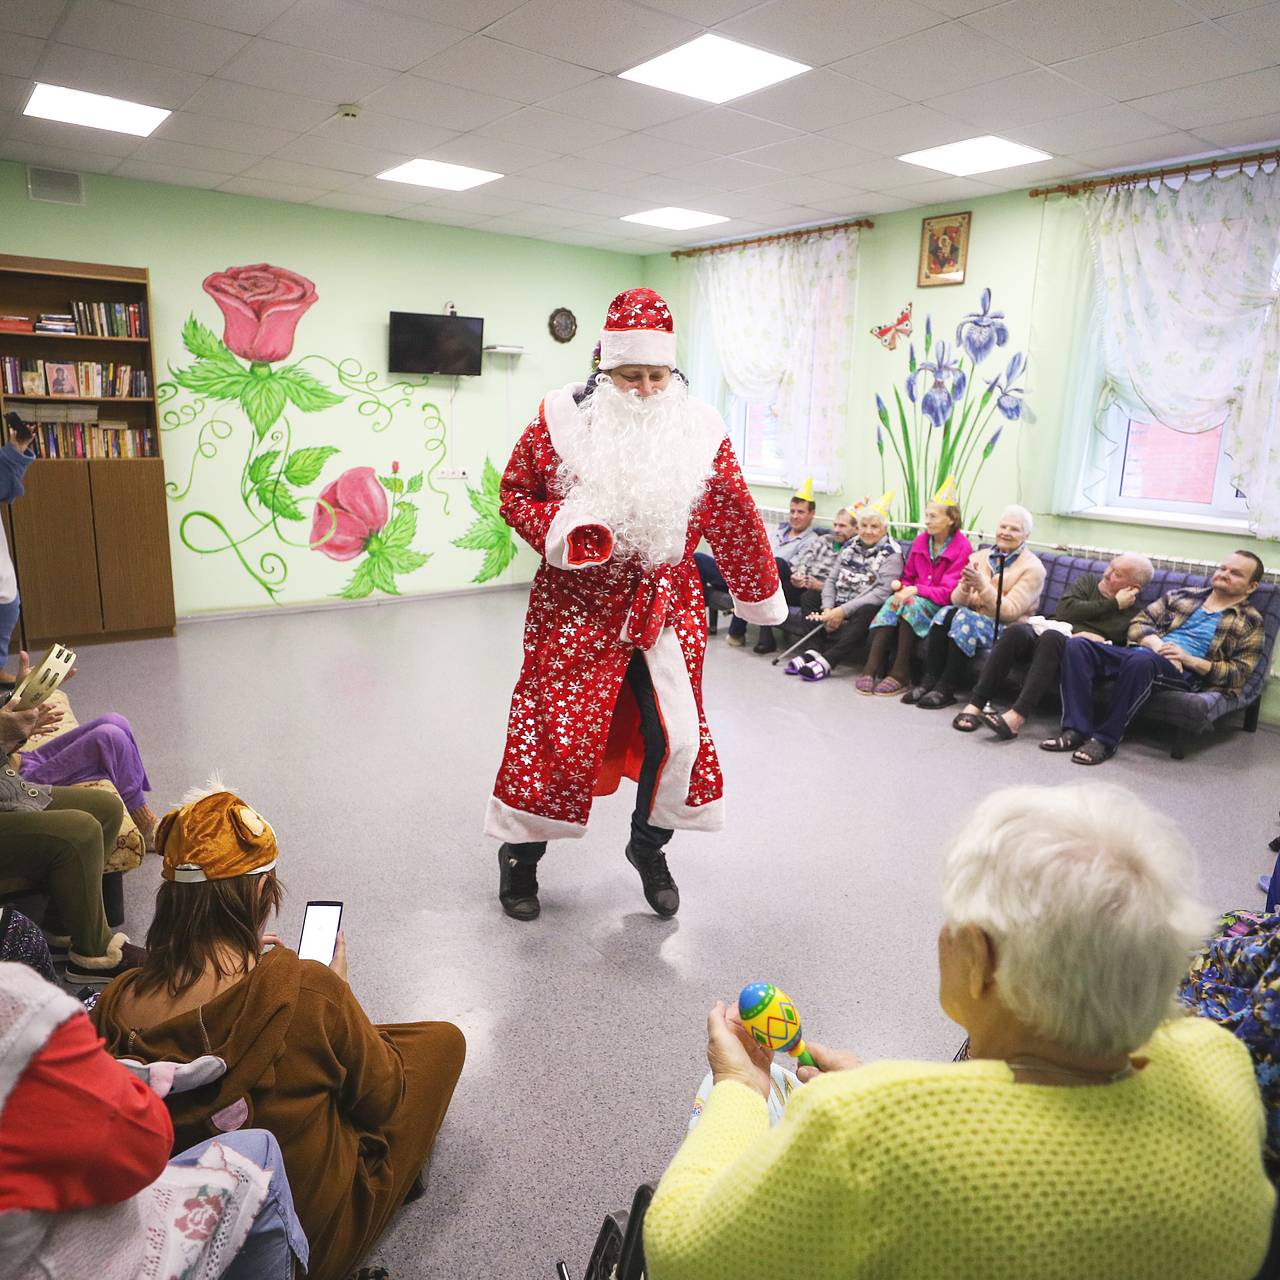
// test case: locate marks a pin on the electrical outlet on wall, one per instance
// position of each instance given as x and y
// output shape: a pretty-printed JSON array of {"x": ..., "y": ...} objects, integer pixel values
[{"x": 452, "y": 473}]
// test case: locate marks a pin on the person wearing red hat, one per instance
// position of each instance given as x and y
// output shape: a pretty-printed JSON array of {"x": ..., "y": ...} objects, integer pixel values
[{"x": 614, "y": 483}]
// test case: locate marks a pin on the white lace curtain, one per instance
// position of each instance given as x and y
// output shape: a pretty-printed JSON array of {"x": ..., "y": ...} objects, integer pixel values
[
  {"x": 1187, "y": 288},
  {"x": 781, "y": 317}
]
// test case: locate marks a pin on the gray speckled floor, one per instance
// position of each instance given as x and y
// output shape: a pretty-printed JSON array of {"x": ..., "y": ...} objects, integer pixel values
[{"x": 370, "y": 737}]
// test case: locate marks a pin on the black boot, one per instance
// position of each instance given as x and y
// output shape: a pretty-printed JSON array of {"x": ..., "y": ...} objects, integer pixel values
[
  {"x": 767, "y": 642},
  {"x": 517, "y": 886},
  {"x": 660, "y": 890}
]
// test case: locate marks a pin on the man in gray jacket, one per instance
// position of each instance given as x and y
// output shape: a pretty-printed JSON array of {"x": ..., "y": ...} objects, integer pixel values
[{"x": 856, "y": 587}]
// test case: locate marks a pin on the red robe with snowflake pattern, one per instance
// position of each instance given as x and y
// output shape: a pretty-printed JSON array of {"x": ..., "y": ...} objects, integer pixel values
[{"x": 574, "y": 728}]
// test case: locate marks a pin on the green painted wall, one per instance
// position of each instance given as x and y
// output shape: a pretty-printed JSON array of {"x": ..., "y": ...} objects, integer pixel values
[{"x": 363, "y": 266}]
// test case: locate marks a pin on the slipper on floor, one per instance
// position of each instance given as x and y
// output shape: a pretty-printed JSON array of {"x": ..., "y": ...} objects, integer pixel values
[
  {"x": 1264, "y": 883},
  {"x": 999, "y": 726},
  {"x": 865, "y": 684},
  {"x": 1093, "y": 752},
  {"x": 888, "y": 688},
  {"x": 935, "y": 699},
  {"x": 1067, "y": 740},
  {"x": 967, "y": 721}
]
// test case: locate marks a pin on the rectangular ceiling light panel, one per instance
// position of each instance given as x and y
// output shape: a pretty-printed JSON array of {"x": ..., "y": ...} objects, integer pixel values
[
  {"x": 674, "y": 219},
  {"x": 93, "y": 110},
  {"x": 975, "y": 155},
  {"x": 435, "y": 173},
  {"x": 714, "y": 69}
]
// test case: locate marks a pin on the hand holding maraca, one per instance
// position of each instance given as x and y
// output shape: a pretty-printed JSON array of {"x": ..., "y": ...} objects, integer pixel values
[{"x": 733, "y": 1054}]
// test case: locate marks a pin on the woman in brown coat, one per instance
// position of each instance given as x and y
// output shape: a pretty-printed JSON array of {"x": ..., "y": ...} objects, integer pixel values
[{"x": 355, "y": 1107}]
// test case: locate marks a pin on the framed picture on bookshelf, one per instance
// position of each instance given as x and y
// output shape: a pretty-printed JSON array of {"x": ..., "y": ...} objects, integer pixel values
[
  {"x": 62, "y": 379},
  {"x": 33, "y": 382}
]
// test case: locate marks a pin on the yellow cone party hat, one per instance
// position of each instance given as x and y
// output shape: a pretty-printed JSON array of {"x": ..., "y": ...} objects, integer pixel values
[
  {"x": 805, "y": 491},
  {"x": 884, "y": 502},
  {"x": 948, "y": 494}
]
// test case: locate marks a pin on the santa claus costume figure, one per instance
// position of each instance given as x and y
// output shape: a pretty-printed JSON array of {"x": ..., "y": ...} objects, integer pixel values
[{"x": 614, "y": 483}]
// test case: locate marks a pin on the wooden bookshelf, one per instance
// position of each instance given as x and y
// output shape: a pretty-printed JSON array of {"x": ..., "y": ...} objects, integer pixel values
[{"x": 90, "y": 538}]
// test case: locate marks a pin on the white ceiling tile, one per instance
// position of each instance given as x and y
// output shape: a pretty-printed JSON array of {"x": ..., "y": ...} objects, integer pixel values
[
  {"x": 443, "y": 105},
  {"x": 820, "y": 31},
  {"x": 231, "y": 101},
  {"x": 879, "y": 202},
  {"x": 533, "y": 190},
  {"x": 150, "y": 37},
  {"x": 725, "y": 130},
  {"x": 653, "y": 191},
  {"x": 490, "y": 66},
  {"x": 609, "y": 35},
  {"x": 171, "y": 174},
  {"x": 1021, "y": 99},
  {"x": 1258, "y": 29},
  {"x": 1254, "y": 132},
  {"x": 477, "y": 200},
  {"x": 704, "y": 12},
  {"x": 1049, "y": 31},
  {"x": 357, "y": 202},
  {"x": 472, "y": 15},
  {"x": 726, "y": 173},
  {"x": 960, "y": 8},
  {"x": 1237, "y": 98},
  {"x": 644, "y": 153},
  {"x": 602, "y": 204},
  {"x": 490, "y": 153},
  {"x": 269, "y": 64},
  {"x": 582, "y": 239},
  {"x": 72, "y": 137},
  {"x": 1221, "y": 8},
  {"x": 550, "y": 129},
  {"x": 622, "y": 104},
  {"x": 909, "y": 128},
  {"x": 442, "y": 217},
  {"x": 269, "y": 190},
  {"x": 274, "y": 169},
  {"x": 1173, "y": 60},
  {"x": 327, "y": 153},
  {"x": 798, "y": 190},
  {"x": 948, "y": 58},
  {"x": 84, "y": 159},
  {"x": 818, "y": 100},
  {"x": 554, "y": 216},
  {"x": 349, "y": 29},
  {"x": 249, "y": 16},
  {"x": 19, "y": 54},
  {"x": 806, "y": 154},
  {"x": 1084, "y": 130},
  {"x": 512, "y": 226},
  {"x": 188, "y": 156},
  {"x": 938, "y": 190},
  {"x": 1147, "y": 152},
  {"x": 753, "y": 204},
  {"x": 597, "y": 175},
  {"x": 30, "y": 17},
  {"x": 874, "y": 175},
  {"x": 1023, "y": 176},
  {"x": 383, "y": 133},
  {"x": 229, "y": 135},
  {"x": 14, "y": 92}
]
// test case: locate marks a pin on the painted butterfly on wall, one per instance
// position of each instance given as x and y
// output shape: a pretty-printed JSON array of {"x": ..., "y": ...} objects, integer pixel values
[{"x": 895, "y": 329}]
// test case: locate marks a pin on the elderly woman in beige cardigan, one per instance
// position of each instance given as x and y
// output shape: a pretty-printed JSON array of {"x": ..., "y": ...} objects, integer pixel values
[{"x": 969, "y": 625}]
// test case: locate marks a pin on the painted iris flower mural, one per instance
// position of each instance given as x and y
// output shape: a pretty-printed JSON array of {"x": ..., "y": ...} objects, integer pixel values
[{"x": 943, "y": 427}]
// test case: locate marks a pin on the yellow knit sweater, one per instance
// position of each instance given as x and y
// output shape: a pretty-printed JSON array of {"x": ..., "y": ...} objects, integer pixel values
[{"x": 916, "y": 1170}]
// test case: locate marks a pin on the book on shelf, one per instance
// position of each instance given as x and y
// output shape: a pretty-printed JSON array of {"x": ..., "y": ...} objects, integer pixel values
[
  {"x": 73, "y": 378},
  {"x": 110, "y": 319},
  {"x": 75, "y": 431},
  {"x": 16, "y": 324}
]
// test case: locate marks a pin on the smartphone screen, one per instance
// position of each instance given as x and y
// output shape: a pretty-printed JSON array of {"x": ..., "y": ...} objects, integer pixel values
[{"x": 320, "y": 931}]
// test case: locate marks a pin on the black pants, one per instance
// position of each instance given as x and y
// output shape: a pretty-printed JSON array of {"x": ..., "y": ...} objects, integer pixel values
[
  {"x": 946, "y": 665},
  {"x": 1019, "y": 643},
  {"x": 839, "y": 646},
  {"x": 646, "y": 838}
]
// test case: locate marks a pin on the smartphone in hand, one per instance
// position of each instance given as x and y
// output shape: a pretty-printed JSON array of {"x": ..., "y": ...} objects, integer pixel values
[{"x": 320, "y": 925}]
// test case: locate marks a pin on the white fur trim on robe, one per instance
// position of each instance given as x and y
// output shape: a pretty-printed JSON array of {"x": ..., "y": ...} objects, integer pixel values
[
  {"x": 767, "y": 613},
  {"x": 557, "y": 544},
  {"x": 516, "y": 826}
]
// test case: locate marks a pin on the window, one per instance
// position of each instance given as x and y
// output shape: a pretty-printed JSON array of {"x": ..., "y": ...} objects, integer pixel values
[
  {"x": 756, "y": 439},
  {"x": 1154, "y": 468}
]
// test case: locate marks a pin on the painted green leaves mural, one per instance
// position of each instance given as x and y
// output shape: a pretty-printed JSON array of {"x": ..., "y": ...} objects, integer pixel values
[
  {"x": 489, "y": 532},
  {"x": 239, "y": 381}
]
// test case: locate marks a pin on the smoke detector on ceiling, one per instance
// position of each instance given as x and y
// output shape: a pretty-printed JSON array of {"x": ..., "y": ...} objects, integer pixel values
[{"x": 348, "y": 110}]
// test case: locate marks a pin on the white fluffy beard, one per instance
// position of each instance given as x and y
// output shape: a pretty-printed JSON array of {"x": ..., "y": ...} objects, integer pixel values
[{"x": 639, "y": 468}]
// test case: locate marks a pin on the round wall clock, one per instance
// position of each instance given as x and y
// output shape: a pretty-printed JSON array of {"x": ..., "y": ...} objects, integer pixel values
[{"x": 563, "y": 324}]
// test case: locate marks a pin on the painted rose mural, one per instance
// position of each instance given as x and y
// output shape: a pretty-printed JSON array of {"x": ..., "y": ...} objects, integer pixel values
[{"x": 239, "y": 388}]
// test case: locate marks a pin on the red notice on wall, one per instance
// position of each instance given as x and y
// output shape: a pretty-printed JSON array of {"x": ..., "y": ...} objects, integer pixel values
[{"x": 1168, "y": 465}]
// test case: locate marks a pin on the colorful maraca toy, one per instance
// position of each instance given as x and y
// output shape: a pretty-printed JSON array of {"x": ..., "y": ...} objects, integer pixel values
[{"x": 771, "y": 1017}]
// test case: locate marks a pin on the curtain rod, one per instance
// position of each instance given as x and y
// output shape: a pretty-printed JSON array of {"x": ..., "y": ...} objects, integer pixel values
[
  {"x": 799, "y": 234},
  {"x": 1138, "y": 177}
]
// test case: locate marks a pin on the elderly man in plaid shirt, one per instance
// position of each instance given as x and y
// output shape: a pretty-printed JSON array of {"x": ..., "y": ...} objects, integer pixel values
[{"x": 1192, "y": 638}]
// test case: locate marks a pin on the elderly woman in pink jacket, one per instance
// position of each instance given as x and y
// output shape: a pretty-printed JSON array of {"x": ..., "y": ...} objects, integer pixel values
[{"x": 934, "y": 564}]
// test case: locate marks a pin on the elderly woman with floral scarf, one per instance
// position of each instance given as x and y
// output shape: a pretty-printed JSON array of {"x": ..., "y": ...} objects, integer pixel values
[{"x": 1008, "y": 571}]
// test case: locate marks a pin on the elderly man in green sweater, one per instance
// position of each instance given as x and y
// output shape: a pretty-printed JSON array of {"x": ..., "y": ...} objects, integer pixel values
[{"x": 1098, "y": 608}]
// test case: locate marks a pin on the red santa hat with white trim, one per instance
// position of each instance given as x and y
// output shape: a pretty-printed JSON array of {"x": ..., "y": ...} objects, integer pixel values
[{"x": 638, "y": 330}]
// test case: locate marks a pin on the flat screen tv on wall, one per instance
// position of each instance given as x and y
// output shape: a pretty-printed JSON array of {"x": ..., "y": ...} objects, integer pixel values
[{"x": 434, "y": 344}]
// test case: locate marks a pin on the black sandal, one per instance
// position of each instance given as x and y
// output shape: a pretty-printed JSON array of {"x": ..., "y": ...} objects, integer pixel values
[
  {"x": 1067, "y": 740},
  {"x": 999, "y": 726},
  {"x": 967, "y": 721},
  {"x": 1093, "y": 752}
]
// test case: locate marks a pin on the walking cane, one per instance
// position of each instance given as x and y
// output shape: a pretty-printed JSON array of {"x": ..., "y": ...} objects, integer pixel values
[
  {"x": 798, "y": 643},
  {"x": 995, "y": 635}
]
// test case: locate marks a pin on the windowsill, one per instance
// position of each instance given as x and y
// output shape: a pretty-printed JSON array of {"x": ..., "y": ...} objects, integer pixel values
[{"x": 1164, "y": 519}]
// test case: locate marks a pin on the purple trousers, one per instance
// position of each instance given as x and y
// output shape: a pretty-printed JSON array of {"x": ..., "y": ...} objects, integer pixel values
[{"x": 101, "y": 748}]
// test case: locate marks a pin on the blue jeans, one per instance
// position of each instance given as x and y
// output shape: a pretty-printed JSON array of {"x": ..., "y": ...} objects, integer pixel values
[
  {"x": 8, "y": 620},
  {"x": 276, "y": 1237}
]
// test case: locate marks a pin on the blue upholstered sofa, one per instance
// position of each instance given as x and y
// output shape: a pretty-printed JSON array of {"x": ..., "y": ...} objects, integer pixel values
[{"x": 1185, "y": 714}]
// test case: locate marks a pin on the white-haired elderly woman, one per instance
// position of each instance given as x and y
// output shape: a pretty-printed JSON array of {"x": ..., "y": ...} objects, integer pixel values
[
  {"x": 1081, "y": 1138},
  {"x": 969, "y": 625}
]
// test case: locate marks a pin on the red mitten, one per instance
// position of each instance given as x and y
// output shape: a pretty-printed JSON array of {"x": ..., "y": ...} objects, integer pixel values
[{"x": 588, "y": 544}]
